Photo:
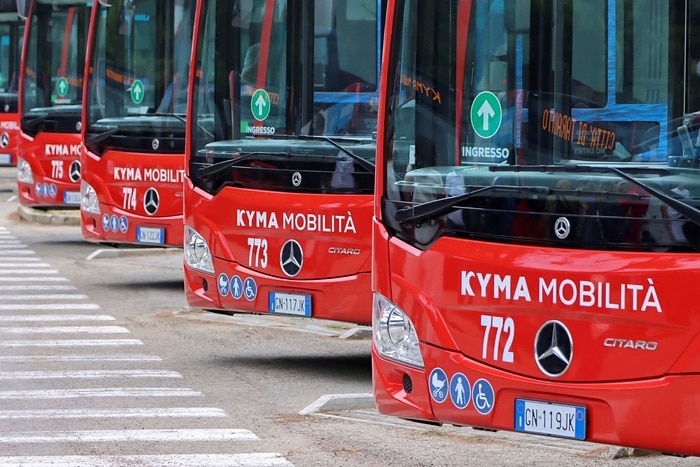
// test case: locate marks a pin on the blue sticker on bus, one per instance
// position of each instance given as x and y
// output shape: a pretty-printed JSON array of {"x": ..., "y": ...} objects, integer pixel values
[
  {"x": 236, "y": 287},
  {"x": 460, "y": 391},
  {"x": 250, "y": 289},
  {"x": 483, "y": 396},
  {"x": 438, "y": 385},
  {"x": 223, "y": 285}
]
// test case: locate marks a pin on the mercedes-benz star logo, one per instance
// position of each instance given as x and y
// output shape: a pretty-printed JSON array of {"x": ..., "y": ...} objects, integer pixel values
[
  {"x": 291, "y": 258},
  {"x": 562, "y": 228},
  {"x": 296, "y": 179},
  {"x": 554, "y": 348},
  {"x": 74, "y": 171},
  {"x": 151, "y": 200}
]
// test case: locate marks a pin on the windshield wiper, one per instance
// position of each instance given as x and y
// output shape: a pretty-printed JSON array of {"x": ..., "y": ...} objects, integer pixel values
[
  {"x": 367, "y": 165},
  {"x": 100, "y": 137},
  {"x": 183, "y": 119},
  {"x": 219, "y": 167},
  {"x": 432, "y": 209},
  {"x": 689, "y": 211},
  {"x": 35, "y": 121}
]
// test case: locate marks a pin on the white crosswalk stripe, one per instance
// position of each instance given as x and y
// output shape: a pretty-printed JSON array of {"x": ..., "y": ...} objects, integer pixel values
[{"x": 55, "y": 379}]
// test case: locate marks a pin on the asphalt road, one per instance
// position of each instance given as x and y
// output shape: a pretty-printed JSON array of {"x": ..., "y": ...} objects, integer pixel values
[{"x": 103, "y": 363}]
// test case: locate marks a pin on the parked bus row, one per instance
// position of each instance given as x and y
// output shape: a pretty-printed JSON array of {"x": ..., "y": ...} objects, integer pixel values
[{"x": 518, "y": 180}]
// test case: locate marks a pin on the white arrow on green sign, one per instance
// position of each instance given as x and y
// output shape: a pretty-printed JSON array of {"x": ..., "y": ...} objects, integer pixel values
[
  {"x": 137, "y": 91},
  {"x": 62, "y": 87},
  {"x": 486, "y": 114},
  {"x": 260, "y": 104}
]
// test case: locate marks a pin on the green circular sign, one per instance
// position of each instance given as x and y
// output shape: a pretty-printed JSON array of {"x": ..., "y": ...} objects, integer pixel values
[
  {"x": 260, "y": 104},
  {"x": 62, "y": 87},
  {"x": 137, "y": 91},
  {"x": 486, "y": 114}
]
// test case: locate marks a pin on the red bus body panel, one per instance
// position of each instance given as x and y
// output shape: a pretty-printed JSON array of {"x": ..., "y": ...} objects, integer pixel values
[
  {"x": 332, "y": 230},
  {"x": 9, "y": 136},
  {"x": 55, "y": 162},
  {"x": 637, "y": 392},
  {"x": 122, "y": 182}
]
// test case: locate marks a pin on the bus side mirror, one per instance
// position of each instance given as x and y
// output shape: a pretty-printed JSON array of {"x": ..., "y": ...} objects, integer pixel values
[
  {"x": 23, "y": 8},
  {"x": 517, "y": 16}
]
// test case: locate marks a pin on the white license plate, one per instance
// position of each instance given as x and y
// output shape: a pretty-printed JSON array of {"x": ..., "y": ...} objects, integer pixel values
[
  {"x": 150, "y": 235},
  {"x": 5, "y": 159},
  {"x": 290, "y": 304},
  {"x": 71, "y": 197},
  {"x": 548, "y": 418}
]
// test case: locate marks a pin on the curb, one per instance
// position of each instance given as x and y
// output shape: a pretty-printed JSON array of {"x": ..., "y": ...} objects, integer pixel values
[{"x": 52, "y": 217}]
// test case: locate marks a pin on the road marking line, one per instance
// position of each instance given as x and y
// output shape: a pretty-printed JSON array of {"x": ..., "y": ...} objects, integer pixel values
[
  {"x": 89, "y": 374},
  {"x": 50, "y": 306},
  {"x": 17, "y": 252},
  {"x": 52, "y": 318},
  {"x": 63, "y": 296},
  {"x": 98, "y": 392},
  {"x": 33, "y": 271},
  {"x": 79, "y": 358},
  {"x": 64, "y": 330},
  {"x": 255, "y": 459},
  {"x": 5, "y": 259},
  {"x": 17, "y": 288},
  {"x": 24, "y": 265},
  {"x": 117, "y": 436},
  {"x": 33, "y": 279},
  {"x": 70, "y": 343},
  {"x": 167, "y": 412}
]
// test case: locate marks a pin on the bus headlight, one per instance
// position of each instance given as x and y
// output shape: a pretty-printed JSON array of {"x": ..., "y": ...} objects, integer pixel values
[
  {"x": 197, "y": 254},
  {"x": 88, "y": 199},
  {"x": 24, "y": 171},
  {"x": 393, "y": 333}
]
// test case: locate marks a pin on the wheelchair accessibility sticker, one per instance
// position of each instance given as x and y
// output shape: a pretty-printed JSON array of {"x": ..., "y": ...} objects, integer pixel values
[
  {"x": 438, "y": 385},
  {"x": 483, "y": 396},
  {"x": 250, "y": 289}
]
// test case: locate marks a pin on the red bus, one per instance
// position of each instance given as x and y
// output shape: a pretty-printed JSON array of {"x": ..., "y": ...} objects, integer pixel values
[
  {"x": 11, "y": 30},
  {"x": 536, "y": 219},
  {"x": 280, "y": 157},
  {"x": 50, "y": 98},
  {"x": 134, "y": 121}
]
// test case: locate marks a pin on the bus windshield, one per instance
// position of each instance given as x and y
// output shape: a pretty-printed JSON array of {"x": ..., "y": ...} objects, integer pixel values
[
  {"x": 11, "y": 29},
  {"x": 55, "y": 54},
  {"x": 570, "y": 124},
  {"x": 266, "y": 72},
  {"x": 138, "y": 75}
]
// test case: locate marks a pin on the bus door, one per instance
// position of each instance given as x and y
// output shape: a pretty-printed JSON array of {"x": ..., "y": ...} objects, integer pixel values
[
  {"x": 538, "y": 219},
  {"x": 50, "y": 103},
  {"x": 11, "y": 31},
  {"x": 281, "y": 155},
  {"x": 134, "y": 121}
]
